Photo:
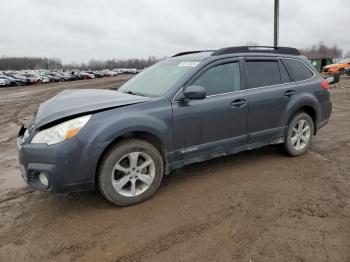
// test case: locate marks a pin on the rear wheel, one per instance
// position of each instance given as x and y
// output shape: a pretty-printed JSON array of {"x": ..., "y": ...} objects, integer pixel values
[
  {"x": 130, "y": 172},
  {"x": 300, "y": 134}
]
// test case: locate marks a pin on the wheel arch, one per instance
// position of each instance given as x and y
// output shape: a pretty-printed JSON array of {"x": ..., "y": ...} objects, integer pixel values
[
  {"x": 308, "y": 109},
  {"x": 144, "y": 135}
]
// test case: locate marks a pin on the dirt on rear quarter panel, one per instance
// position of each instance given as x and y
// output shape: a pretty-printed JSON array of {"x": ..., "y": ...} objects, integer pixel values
[{"x": 258, "y": 205}]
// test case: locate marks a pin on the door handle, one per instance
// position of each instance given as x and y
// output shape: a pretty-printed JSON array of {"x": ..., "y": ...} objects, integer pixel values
[
  {"x": 289, "y": 93},
  {"x": 238, "y": 102}
]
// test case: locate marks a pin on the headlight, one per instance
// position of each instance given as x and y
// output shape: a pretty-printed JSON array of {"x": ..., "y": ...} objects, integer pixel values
[{"x": 60, "y": 132}]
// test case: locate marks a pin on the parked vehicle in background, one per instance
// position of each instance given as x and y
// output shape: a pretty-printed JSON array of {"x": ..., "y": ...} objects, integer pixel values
[
  {"x": 108, "y": 73},
  {"x": 97, "y": 74},
  {"x": 13, "y": 81},
  {"x": 338, "y": 67},
  {"x": 127, "y": 71},
  {"x": 347, "y": 70},
  {"x": 52, "y": 77},
  {"x": 33, "y": 79},
  {"x": 72, "y": 77},
  {"x": 192, "y": 107},
  {"x": 86, "y": 75},
  {"x": 4, "y": 82},
  {"x": 24, "y": 79},
  {"x": 19, "y": 81},
  {"x": 41, "y": 78},
  {"x": 61, "y": 76}
]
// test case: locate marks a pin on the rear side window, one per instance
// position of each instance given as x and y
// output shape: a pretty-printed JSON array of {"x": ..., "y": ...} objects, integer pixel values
[
  {"x": 220, "y": 79},
  {"x": 263, "y": 73},
  {"x": 298, "y": 69},
  {"x": 284, "y": 74}
]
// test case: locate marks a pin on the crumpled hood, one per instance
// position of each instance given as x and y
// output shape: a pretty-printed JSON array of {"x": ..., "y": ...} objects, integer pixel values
[{"x": 73, "y": 102}]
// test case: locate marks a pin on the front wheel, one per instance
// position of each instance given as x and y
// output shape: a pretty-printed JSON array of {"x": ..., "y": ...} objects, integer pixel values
[
  {"x": 130, "y": 172},
  {"x": 300, "y": 134}
]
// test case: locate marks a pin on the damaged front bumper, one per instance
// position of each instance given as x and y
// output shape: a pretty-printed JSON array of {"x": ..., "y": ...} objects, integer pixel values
[{"x": 67, "y": 166}]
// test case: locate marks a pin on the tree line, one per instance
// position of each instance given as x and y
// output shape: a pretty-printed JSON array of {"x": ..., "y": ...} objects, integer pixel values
[
  {"x": 19, "y": 63},
  {"x": 30, "y": 63},
  {"x": 321, "y": 50}
]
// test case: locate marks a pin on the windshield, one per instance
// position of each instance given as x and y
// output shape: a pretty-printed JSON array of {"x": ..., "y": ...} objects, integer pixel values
[{"x": 158, "y": 79}]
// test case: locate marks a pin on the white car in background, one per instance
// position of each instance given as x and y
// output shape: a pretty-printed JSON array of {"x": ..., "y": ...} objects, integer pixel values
[
  {"x": 4, "y": 82},
  {"x": 108, "y": 72},
  {"x": 33, "y": 79},
  {"x": 41, "y": 78},
  {"x": 86, "y": 75},
  {"x": 126, "y": 71}
]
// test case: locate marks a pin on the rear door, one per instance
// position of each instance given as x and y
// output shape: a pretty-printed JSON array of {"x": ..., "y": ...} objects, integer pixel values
[{"x": 269, "y": 90}]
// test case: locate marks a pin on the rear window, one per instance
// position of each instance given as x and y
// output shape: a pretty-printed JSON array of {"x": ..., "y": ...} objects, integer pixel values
[
  {"x": 263, "y": 73},
  {"x": 298, "y": 69}
]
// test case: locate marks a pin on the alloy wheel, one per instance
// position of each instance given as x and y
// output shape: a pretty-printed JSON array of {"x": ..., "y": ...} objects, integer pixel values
[
  {"x": 133, "y": 174},
  {"x": 300, "y": 134}
]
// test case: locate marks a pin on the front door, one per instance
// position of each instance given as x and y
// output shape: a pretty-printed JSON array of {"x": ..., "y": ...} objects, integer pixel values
[{"x": 216, "y": 124}]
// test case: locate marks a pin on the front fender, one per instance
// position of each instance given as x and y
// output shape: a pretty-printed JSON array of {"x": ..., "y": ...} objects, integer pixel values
[
  {"x": 154, "y": 118},
  {"x": 146, "y": 124}
]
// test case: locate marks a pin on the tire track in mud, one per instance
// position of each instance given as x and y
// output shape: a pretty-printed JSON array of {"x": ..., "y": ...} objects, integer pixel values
[
  {"x": 14, "y": 195},
  {"x": 153, "y": 248},
  {"x": 179, "y": 236}
]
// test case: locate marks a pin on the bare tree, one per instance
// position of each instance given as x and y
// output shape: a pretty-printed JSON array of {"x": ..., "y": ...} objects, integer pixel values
[
  {"x": 20, "y": 63},
  {"x": 321, "y": 50}
]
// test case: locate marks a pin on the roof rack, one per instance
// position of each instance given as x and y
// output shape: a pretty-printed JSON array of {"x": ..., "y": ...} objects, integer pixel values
[
  {"x": 191, "y": 52},
  {"x": 257, "y": 49}
]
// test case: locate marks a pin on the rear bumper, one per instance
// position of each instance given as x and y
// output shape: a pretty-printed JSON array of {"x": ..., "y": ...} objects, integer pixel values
[{"x": 326, "y": 114}]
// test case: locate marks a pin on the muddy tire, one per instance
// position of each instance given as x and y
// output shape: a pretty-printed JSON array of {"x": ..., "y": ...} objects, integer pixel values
[
  {"x": 300, "y": 134},
  {"x": 130, "y": 172}
]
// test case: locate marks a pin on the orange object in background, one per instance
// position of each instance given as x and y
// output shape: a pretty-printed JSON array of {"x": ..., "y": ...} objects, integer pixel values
[{"x": 338, "y": 67}]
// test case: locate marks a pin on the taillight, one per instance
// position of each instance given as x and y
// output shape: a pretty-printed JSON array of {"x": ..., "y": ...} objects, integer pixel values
[{"x": 325, "y": 84}]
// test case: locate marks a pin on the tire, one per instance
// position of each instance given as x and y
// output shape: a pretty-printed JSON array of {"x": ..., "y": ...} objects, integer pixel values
[
  {"x": 301, "y": 128},
  {"x": 119, "y": 178}
]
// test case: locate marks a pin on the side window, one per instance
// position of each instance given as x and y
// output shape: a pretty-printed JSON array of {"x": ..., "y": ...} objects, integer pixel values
[
  {"x": 263, "y": 73},
  {"x": 220, "y": 79},
  {"x": 298, "y": 69},
  {"x": 284, "y": 74}
]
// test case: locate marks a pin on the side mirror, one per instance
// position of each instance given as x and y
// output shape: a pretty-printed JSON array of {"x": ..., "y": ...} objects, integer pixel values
[
  {"x": 334, "y": 78},
  {"x": 195, "y": 92}
]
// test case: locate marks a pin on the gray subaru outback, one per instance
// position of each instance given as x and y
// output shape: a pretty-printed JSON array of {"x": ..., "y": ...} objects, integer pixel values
[{"x": 189, "y": 108}]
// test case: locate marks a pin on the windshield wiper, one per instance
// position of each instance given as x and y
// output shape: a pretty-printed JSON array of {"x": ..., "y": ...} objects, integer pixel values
[{"x": 133, "y": 93}]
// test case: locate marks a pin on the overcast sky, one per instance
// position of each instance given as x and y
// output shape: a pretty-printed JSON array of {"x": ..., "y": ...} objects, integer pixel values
[{"x": 78, "y": 30}]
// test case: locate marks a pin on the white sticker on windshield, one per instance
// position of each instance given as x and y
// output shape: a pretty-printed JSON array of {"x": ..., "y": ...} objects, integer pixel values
[{"x": 188, "y": 63}]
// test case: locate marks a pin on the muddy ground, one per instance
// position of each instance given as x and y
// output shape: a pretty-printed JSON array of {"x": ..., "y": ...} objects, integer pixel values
[{"x": 254, "y": 206}]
